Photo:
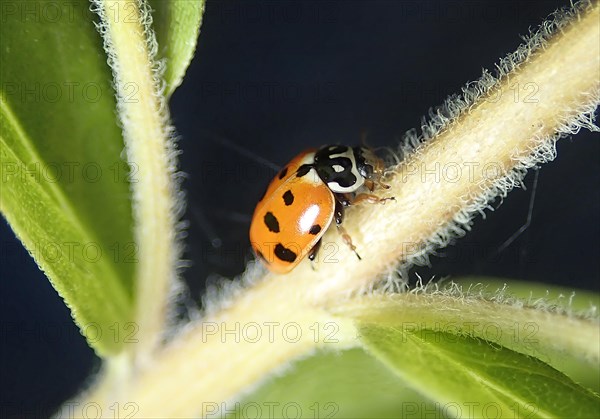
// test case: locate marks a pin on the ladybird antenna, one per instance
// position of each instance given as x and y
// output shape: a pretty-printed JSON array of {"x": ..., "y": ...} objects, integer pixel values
[
  {"x": 363, "y": 138},
  {"x": 364, "y": 142},
  {"x": 242, "y": 150},
  {"x": 235, "y": 216},
  {"x": 206, "y": 227},
  {"x": 525, "y": 226}
]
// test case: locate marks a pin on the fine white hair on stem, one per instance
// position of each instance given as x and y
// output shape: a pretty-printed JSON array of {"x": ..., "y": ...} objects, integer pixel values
[
  {"x": 150, "y": 145},
  {"x": 541, "y": 150}
]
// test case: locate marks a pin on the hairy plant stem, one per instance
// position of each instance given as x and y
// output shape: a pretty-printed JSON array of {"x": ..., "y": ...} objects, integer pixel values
[
  {"x": 142, "y": 111},
  {"x": 490, "y": 138},
  {"x": 531, "y": 330}
]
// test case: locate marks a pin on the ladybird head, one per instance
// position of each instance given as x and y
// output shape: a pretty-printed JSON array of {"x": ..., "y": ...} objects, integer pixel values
[{"x": 343, "y": 168}]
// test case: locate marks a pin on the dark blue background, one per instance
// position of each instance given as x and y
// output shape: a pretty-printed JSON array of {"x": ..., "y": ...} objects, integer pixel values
[{"x": 277, "y": 77}]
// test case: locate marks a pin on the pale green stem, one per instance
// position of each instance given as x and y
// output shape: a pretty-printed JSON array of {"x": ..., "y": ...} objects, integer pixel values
[{"x": 142, "y": 112}]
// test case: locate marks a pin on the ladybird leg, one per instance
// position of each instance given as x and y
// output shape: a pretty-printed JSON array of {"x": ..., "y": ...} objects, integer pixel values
[
  {"x": 378, "y": 164},
  {"x": 312, "y": 255},
  {"x": 377, "y": 182},
  {"x": 371, "y": 184},
  {"x": 378, "y": 171},
  {"x": 339, "y": 217},
  {"x": 380, "y": 184},
  {"x": 348, "y": 240},
  {"x": 314, "y": 251},
  {"x": 383, "y": 185},
  {"x": 344, "y": 198},
  {"x": 338, "y": 212},
  {"x": 371, "y": 199}
]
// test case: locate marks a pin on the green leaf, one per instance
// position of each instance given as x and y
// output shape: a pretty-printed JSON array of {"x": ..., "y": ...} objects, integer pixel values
[
  {"x": 563, "y": 298},
  {"x": 569, "y": 342},
  {"x": 177, "y": 25},
  {"x": 65, "y": 188},
  {"x": 470, "y": 377},
  {"x": 348, "y": 384}
]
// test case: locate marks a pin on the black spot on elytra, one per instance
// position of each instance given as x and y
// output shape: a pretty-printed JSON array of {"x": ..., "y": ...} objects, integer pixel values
[
  {"x": 288, "y": 198},
  {"x": 285, "y": 254},
  {"x": 283, "y": 173},
  {"x": 303, "y": 170},
  {"x": 271, "y": 222},
  {"x": 314, "y": 230}
]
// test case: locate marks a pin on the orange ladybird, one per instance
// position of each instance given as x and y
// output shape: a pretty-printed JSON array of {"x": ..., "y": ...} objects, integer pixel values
[{"x": 305, "y": 196}]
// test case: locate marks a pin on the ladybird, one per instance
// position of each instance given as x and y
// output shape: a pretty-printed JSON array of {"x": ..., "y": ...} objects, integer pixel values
[{"x": 305, "y": 197}]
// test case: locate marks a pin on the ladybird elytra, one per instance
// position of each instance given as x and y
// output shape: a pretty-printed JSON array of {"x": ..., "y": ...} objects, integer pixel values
[
  {"x": 300, "y": 203},
  {"x": 290, "y": 220}
]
